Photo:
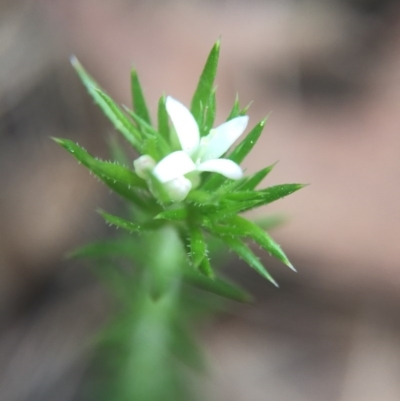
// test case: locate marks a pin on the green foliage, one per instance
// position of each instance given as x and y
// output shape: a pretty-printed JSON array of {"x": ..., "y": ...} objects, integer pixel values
[
  {"x": 138, "y": 100},
  {"x": 166, "y": 245},
  {"x": 204, "y": 89}
]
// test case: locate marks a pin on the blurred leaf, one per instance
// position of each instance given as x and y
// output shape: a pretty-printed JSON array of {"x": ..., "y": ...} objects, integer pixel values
[
  {"x": 216, "y": 286},
  {"x": 120, "y": 222},
  {"x": 253, "y": 231},
  {"x": 163, "y": 125},
  {"x": 245, "y": 253},
  {"x": 108, "y": 106},
  {"x": 117, "y": 151},
  {"x": 161, "y": 147},
  {"x": 174, "y": 214},
  {"x": 269, "y": 222},
  {"x": 209, "y": 114},
  {"x": 101, "y": 168},
  {"x": 252, "y": 181},
  {"x": 205, "y": 85},
  {"x": 105, "y": 249},
  {"x": 267, "y": 195},
  {"x": 185, "y": 347},
  {"x": 138, "y": 100},
  {"x": 121, "y": 122},
  {"x": 235, "y": 109},
  {"x": 205, "y": 267},
  {"x": 198, "y": 247}
]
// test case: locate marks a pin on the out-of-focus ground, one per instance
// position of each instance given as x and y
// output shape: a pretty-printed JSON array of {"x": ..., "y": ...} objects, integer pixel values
[{"x": 330, "y": 73}]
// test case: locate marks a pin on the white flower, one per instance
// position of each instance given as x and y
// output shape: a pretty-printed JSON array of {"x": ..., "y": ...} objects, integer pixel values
[
  {"x": 144, "y": 165},
  {"x": 198, "y": 154}
]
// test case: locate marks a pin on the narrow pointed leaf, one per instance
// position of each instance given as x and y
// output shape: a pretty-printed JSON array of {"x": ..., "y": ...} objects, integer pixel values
[
  {"x": 127, "y": 192},
  {"x": 150, "y": 133},
  {"x": 267, "y": 195},
  {"x": 235, "y": 112},
  {"x": 276, "y": 192},
  {"x": 253, "y": 231},
  {"x": 256, "y": 178},
  {"x": 120, "y": 222},
  {"x": 163, "y": 124},
  {"x": 226, "y": 210},
  {"x": 205, "y": 84},
  {"x": 121, "y": 122},
  {"x": 206, "y": 269},
  {"x": 108, "y": 249},
  {"x": 138, "y": 100},
  {"x": 185, "y": 347},
  {"x": 198, "y": 248},
  {"x": 117, "y": 151},
  {"x": 245, "y": 253},
  {"x": 216, "y": 286},
  {"x": 174, "y": 215},
  {"x": 107, "y": 105},
  {"x": 102, "y": 169},
  {"x": 247, "y": 144},
  {"x": 269, "y": 222},
  {"x": 210, "y": 113}
]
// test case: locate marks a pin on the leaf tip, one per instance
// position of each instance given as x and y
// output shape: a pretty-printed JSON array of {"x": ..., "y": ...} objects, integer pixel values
[{"x": 74, "y": 61}]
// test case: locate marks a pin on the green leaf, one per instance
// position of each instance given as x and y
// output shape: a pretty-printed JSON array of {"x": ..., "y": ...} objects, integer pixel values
[
  {"x": 205, "y": 84},
  {"x": 244, "y": 252},
  {"x": 201, "y": 197},
  {"x": 161, "y": 148},
  {"x": 120, "y": 222},
  {"x": 163, "y": 124},
  {"x": 252, "y": 182},
  {"x": 174, "y": 214},
  {"x": 102, "y": 169},
  {"x": 267, "y": 195},
  {"x": 235, "y": 112},
  {"x": 198, "y": 247},
  {"x": 108, "y": 106},
  {"x": 226, "y": 210},
  {"x": 187, "y": 349},
  {"x": 121, "y": 122},
  {"x": 253, "y": 231},
  {"x": 216, "y": 286},
  {"x": 205, "y": 268},
  {"x": 269, "y": 222},
  {"x": 247, "y": 144},
  {"x": 138, "y": 100},
  {"x": 104, "y": 250},
  {"x": 117, "y": 151},
  {"x": 128, "y": 193},
  {"x": 210, "y": 113}
]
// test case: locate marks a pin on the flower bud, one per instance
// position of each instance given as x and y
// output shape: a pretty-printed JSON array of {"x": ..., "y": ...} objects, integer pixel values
[
  {"x": 178, "y": 188},
  {"x": 144, "y": 165}
]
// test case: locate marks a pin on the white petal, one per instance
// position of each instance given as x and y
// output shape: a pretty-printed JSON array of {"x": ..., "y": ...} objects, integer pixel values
[
  {"x": 178, "y": 188},
  {"x": 226, "y": 167},
  {"x": 185, "y": 125},
  {"x": 222, "y": 138},
  {"x": 174, "y": 165}
]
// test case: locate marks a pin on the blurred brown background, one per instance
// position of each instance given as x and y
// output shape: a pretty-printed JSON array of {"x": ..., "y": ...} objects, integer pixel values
[{"x": 329, "y": 71}]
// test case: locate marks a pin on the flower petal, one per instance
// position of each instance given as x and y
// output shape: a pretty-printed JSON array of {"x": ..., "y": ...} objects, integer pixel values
[
  {"x": 178, "y": 188},
  {"x": 220, "y": 139},
  {"x": 226, "y": 167},
  {"x": 185, "y": 125},
  {"x": 174, "y": 165},
  {"x": 144, "y": 165}
]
